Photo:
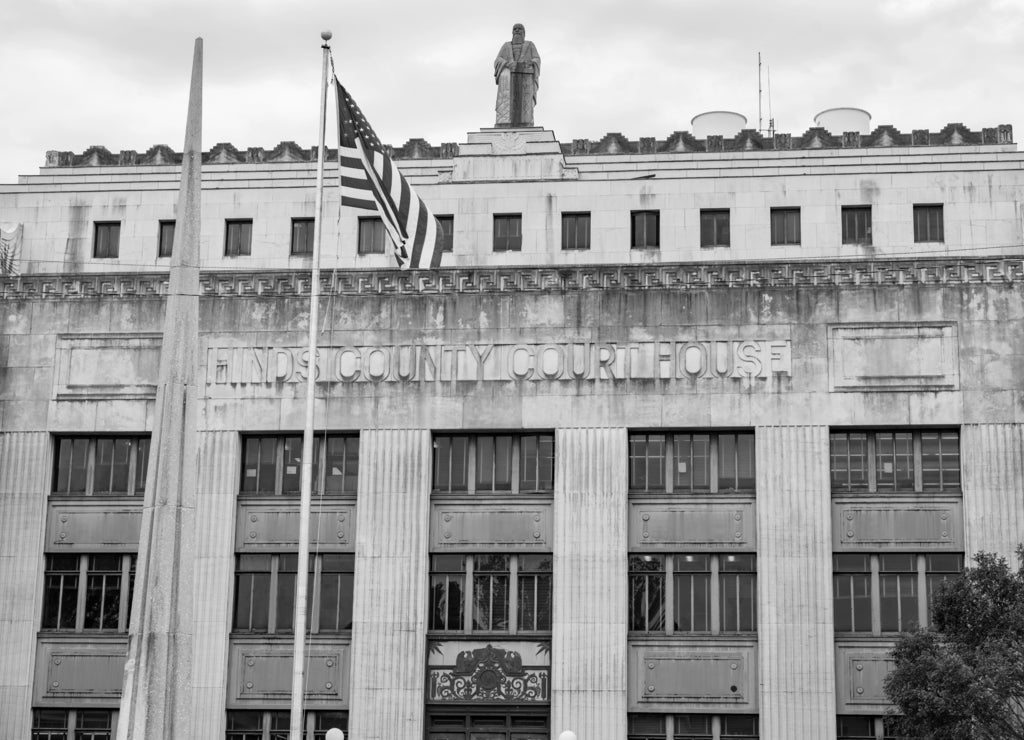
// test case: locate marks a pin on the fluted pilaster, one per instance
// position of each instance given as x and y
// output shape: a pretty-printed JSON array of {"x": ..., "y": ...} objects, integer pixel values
[
  {"x": 993, "y": 466},
  {"x": 795, "y": 623},
  {"x": 214, "y": 569},
  {"x": 23, "y": 485},
  {"x": 389, "y": 617},
  {"x": 588, "y": 671}
]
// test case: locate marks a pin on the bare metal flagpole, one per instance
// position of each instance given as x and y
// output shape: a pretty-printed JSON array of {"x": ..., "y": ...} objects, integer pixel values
[{"x": 295, "y": 725}]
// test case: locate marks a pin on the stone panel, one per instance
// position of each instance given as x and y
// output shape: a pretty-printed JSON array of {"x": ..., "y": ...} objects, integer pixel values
[
  {"x": 860, "y": 674},
  {"x": 260, "y": 674},
  {"x": 902, "y": 525},
  {"x": 88, "y": 364},
  {"x": 686, "y": 526},
  {"x": 686, "y": 678},
  {"x": 590, "y": 583},
  {"x": 75, "y": 672},
  {"x": 893, "y": 357},
  {"x": 468, "y": 527},
  {"x": 91, "y": 526},
  {"x": 274, "y": 526},
  {"x": 993, "y": 467}
]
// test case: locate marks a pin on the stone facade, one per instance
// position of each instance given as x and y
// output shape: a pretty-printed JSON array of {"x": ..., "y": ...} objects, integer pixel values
[{"x": 600, "y": 349}]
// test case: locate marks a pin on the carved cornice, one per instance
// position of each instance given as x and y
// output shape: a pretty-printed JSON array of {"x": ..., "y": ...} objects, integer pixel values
[{"x": 994, "y": 271}]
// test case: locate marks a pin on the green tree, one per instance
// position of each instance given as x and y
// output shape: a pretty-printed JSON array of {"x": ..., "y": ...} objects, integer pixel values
[{"x": 964, "y": 678}]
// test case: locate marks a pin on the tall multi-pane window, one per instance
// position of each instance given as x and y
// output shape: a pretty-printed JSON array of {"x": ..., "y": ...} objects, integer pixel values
[
  {"x": 508, "y": 232},
  {"x": 856, "y": 222},
  {"x": 445, "y": 233},
  {"x": 691, "y": 462},
  {"x": 692, "y": 726},
  {"x": 107, "y": 239},
  {"x": 166, "y": 239},
  {"x": 709, "y": 593},
  {"x": 490, "y": 592},
  {"x": 485, "y": 723},
  {"x": 858, "y": 727},
  {"x": 714, "y": 227},
  {"x": 100, "y": 466},
  {"x": 887, "y": 592},
  {"x": 302, "y": 236},
  {"x": 373, "y": 237},
  {"x": 72, "y": 724},
  {"x": 575, "y": 231},
  {"x": 895, "y": 460},
  {"x": 785, "y": 225},
  {"x": 928, "y": 223},
  {"x": 644, "y": 229},
  {"x": 265, "y": 592},
  {"x": 88, "y": 592},
  {"x": 238, "y": 237},
  {"x": 494, "y": 463},
  {"x": 272, "y": 464}
]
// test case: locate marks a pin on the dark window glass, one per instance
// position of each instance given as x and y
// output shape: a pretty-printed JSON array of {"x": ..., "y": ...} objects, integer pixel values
[
  {"x": 940, "y": 461},
  {"x": 494, "y": 463},
  {"x": 898, "y": 592},
  {"x": 645, "y": 727},
  {"x": 508, "y": 233},
  {"x": 738, "y": 591},
  {"x": 342, "y": 464},
  {"x": 928, "y": 223},
  {"x": 490, "y": 592},
  {"x": 103, "y": 592},
  {"x": 851, "y": 583},
  {"x": 739, "y": 726},
  {"x": 72, "y": 465},
  {"x": 854, "y": 727},
  {"x": 499, "y": 462},
  {"x": 272, "y": 465},
  {"x": 337, "y": 581},
  {"x": 534, "y": 592},
  {"x": 940, "y": 567},
  {"x": 575, "y": 231},
  {"x": 735, "y": 461},
  {"x": 647, "y": 593},
  {"x": 326, "y": 720},
  {"x": 49, "y": 724},
  {"x": 93, "y": 724},
  {"x": 692, "y": 581},
  {"x": 372, "y": 236},
  {"x": 445, "y": 233},
  {"x": 103, "y": 466},
  {"x": 60, "y": 594},
  {"x": 166, "y": 241},
  {"x": 785, "y": 225},
  {"x": 244, "y": 725},
  {"x": 447, "y": 585},
  {"x": 451, "y": 463},
  {"x": 302, "y": 235},
  {"x": 714, "y": 228},
  {"x": 692, "y": 462},
  {"x": 287, "y": 568},
  {"x": 238, "y": 238},
  {"x": 252, "y": 593},
  {"x": 644, "y": 229},
  {"x": 107, "y": 241},
  {"x": 894, "y": 461},
  {"x": 647, "y": 462},
  {"x": 537, "y": 462},
  {"x": 849, "y": 461},
  {"x": 692, "y": 727},
  {"x": 856, "y": 224}
]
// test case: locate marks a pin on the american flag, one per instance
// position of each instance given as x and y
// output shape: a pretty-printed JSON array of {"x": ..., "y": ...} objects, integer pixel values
[{"x": 370, "y": 180}]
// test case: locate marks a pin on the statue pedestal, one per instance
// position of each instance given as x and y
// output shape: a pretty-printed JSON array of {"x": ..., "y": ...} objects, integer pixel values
[{"x": 511, "y": 154}]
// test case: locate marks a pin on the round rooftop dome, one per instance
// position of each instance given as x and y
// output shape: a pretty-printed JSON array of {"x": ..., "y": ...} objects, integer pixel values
[
  {"x": 717, "y": 123},
  {"x": 841, "y": 120}
]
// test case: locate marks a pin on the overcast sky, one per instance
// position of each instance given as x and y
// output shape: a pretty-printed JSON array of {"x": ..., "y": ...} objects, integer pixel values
[{"x": 74, "y": 73}]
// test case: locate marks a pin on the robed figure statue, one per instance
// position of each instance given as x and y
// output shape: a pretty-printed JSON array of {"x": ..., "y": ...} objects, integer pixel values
[{"x": 517, "y": 75}]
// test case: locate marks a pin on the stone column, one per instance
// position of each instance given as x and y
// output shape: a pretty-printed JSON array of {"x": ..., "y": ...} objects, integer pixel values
[
  {"x": 992, "y": 457},
  {"x": 23, "y": 490},
  {"x": 795, "y": 628},
  {"x": 588, "y": 650},
  {"x": 389, "y": 615},
  {"x": 216, "y": 504}
]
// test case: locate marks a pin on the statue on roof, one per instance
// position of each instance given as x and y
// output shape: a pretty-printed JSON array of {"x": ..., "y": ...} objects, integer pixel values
[{"x": 517, "y": 75}]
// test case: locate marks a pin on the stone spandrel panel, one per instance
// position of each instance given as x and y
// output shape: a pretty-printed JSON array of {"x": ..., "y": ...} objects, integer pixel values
[
  {"x": 470, "y": 526},
  {"x": 106, "y": 366},
  {"x": 81, "y": 673},
  {"x": 684, "y": 678},
  {"x": 679, "y": 526},
  {"x": 910, "y": 525},
  {"x": 860, "y": 678},
  {"x": 892, "y": 357},
  {"x": 260, "y": 673},
  {"x": 89, "y": 526},
  {"x": 272, "y": 526}
]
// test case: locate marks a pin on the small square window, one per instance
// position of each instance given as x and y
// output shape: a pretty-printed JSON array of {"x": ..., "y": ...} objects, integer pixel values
[
  {"x": 166, "y": 242},
  {"x": 107, "y": 241},
  {"x": 575, "y": 231},
  {"x": 644, "y": 227},
  {"x": 714, "y": 227},
  {"x": 785, "y": 225},
  {"x": 302, "y": 236},
  {"x": 238, "y": 238},
  {"x": 856, "y": 224},
  {"x": 508, "y": 232},
  {"x": 372, "y": 236},
  {"x": 445, "y": 232},
  {"x": 928, "y": 223}
]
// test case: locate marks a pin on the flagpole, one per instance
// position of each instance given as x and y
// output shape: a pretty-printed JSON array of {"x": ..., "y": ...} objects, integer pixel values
[{"x": 296, "y": 720}]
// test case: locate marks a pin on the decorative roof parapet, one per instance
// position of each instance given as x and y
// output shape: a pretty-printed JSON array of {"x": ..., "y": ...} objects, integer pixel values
[{"x": 953, "y": 134}]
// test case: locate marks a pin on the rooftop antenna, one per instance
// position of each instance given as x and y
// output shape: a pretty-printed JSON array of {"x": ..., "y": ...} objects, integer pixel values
[
  {"x": 759, "y": 128},
  {"x": 771, "y": 118},
  {"x": 760, "y": 95}
]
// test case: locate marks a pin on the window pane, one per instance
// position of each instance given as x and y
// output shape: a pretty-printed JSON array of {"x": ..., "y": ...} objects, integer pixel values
[
  {"x": 898, "y": 592},
  {"x": 166, "y": 239},
  {"x": 103, "y": 592},
  {"x": 739, "y": 726},
  {"x": 302, "y": 235},
  {"x": 692, "y": 593},
  {"x": 141, "y": 465},
  {"x": 446, "y": 592},
  {"x": 107, "y": 241},
  {"x": 644, "y": 229},
  {"x": 451, "y": 462},
  {"x": 576, "y": 231},
  {"x": 490, "y": 592},
  {"x": 445, "y": 230},
  {"x": 537, "y": 462},
  {"x": 785, "y": 226},
  {"x": 647, "y": 462},
  {"x": 337, "y": 574},
  {"x": 894, "y": 461},
  {"x": 238, "y": 239},
  {"x": 72, "y": 466},
  {"x": 286, "y": 572},
  {"x": 714, "y": 228},
  {"x": 534, "y": 592},
  {"x": 291, "y": 475},
  {"x": 507, "y": 233},
  {"x": 494, "y": 463},
  {"x": 735, "y": 462},
  {"x": 647, "y": 593},
  {"x": 692, "y": 458},
  {"x": 252, "y": 593},
  {"x": 940, "y": 461},
  {"x": 60, "y": 595},
  {"x": 342, "y": 464},
  {"x": 849, "y": 461},
  {"x": 738, "y": 593}
]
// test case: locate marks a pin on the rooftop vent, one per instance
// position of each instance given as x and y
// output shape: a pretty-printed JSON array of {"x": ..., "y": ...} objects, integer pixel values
[
  {"x": 840, "y": 120},
  {"x": 717, "y": 123}
]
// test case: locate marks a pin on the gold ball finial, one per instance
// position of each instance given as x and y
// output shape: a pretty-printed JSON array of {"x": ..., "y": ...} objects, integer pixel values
[{"x": 326, "y": 35}]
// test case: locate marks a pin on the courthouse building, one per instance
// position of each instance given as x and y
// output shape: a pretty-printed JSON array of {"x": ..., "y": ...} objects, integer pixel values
[{"x": 679, "y": 438}]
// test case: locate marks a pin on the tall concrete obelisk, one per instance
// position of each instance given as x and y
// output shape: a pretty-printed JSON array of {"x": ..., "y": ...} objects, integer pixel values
[{"x": 157, "y": 696}]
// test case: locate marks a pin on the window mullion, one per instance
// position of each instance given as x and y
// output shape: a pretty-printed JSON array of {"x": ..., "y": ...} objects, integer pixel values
[
  {"x": 713, "y": 462},
  {"x": 313, "y": 618},
  {"x": 275, "y": 562},
  {"x": 133, "y": 457},
  {"x": 125, "y": 592},
  {"x": 90, "y": 467},
  {"x": 670, "y": 592},
  {"x": 515, "y": 462},
  {"x": 918, "y": 473},
  {"x": 876, "y": 598},
  {"x": 513, "y": 595},
  {"x": 467, "y": 606},
  {"x": 872, "y": 468},
  {"x": 716, "y": 597},
  {"x": 471, "y": 465},
  {"x": 716, "y": 727},
  {"x": 670, "y": 449},
  {"x": 922, "y": 592},
  {"x": 279, "y": 466}
]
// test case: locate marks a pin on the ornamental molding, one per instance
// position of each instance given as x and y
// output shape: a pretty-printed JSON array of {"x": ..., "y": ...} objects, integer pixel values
[
  {"x": 674, "y": 276},
  {"x": 491, "y": 675}
]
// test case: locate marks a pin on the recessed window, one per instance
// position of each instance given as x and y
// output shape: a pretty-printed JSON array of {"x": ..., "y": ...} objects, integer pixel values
[
  {"x": 88, "y": 592},
  {"x": 691, "y": 462},
  {"x": 508, "y": 232},
  {"x": 486, "y": 592},
  {"x": 238, "y": 238},
  {"x": 302, "y": 236},
  {"x": 575, "y": 231},
  {"x": 494, "y": 463},
  {"x": 373, "y": 237},
  {"x": 700, "y": 581},
  {"x": 856, "y": 224},
  {"x": 106, "y": 243},
  {"x": 928, "y": 223},
  {"x": 714, "y": 227},
  {"x": 265, "y": 592},
  {"x": 484, "y": 723},
  {"x": 166, "y": 239},
  {"x": 855, "y": 727},
  {"x": 888, "y": 592},
  {"x": 895, "y": 460},
  {"x": 643, "y": 229},
  {"x": 80, "y": 724},
  {"x": 445, "y": 233},
  {"x": 253, "y": 724},
  {"x": 647, "y": 726},
  {"x": 101, "y": 466},
  {"x": 785, "y": 226},
  {"x": 272, "y": 464}
]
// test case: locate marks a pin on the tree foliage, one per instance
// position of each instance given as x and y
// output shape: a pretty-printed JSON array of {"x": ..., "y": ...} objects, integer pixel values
[{"x": 964, "y": 678}]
